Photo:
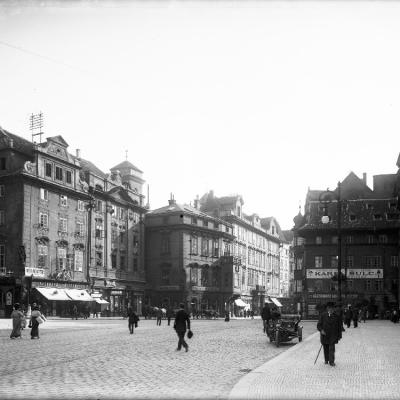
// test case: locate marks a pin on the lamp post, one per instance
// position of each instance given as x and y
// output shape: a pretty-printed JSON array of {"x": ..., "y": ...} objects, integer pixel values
[{"x": 326, "y": 198}]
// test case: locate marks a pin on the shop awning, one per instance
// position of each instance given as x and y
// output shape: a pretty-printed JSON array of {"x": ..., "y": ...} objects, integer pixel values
[
  {"x": 276, "y": 302},
  {"x": 240, "y": 303},
  {"x": 78, "y": 294},
  {"x": 52, "y": 293},
  {"x": 101, "y": 301}
]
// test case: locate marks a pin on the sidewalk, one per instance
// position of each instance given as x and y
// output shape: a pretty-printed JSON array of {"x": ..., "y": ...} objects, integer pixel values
[{"x": 367, "y": 367}]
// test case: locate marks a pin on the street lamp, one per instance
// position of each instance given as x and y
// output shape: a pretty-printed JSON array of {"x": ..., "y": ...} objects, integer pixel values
[{"x": 326, "y": 198}]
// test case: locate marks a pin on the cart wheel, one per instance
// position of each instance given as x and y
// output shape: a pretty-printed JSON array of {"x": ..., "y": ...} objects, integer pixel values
[
  {"x": 300, "y": 333},
  {"x": 277, "y": 338}
]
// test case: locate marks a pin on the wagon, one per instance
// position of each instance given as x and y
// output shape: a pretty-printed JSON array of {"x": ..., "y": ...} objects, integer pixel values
[{"x": 285, "y": 329}]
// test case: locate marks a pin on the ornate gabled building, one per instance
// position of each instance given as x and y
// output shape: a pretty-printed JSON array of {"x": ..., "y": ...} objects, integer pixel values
[
  {"x": 52, "y": 231},
  {"x": 368, "y": 244},
  {"x": 188, "y": 259},
  {"x": 256, "y": 250}
]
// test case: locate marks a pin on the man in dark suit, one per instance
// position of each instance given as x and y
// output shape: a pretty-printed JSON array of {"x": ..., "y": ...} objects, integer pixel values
[
  {"x": 330, "y": 326},
  {"x": 182, "y": 321},
  {"x": 266, "y": 316}
]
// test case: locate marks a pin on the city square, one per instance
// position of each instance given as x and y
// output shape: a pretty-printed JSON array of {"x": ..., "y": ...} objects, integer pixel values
[{"x": 98, "y": 358}]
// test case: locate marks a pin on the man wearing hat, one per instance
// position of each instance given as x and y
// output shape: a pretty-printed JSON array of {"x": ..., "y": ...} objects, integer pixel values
[{"x": 330, "y": 326}]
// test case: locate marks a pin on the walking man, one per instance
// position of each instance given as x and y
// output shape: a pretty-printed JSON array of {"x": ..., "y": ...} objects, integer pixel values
[
  {"x": 159, "y": 316},
  {"x": 182, "y": 321},
  {"x": 266, "y": 316},
  {"x": 330, "y": 326}
]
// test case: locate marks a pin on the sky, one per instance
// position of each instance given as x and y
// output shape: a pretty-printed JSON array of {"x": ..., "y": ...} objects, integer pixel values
[{"x": 259, "y": 98}]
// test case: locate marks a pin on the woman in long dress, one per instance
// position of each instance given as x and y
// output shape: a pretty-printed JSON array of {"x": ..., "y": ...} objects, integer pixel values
[
  {"x": 17, "y": 317},
  {"x": 34, "y": 323}
]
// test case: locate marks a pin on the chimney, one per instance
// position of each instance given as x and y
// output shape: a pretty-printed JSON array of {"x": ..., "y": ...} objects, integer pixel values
[
  {"x": 196, "y": 202},
  {"x": 171, "y": 201},
  {"x": 365, "y": 178},
  {"x": 78, "y": 153}
]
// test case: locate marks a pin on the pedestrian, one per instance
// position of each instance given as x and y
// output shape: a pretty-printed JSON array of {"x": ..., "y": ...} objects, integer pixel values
[
  {"x": 36, "y": 317},
  {"x": 17, "y": 319},
  {"x": 133, "y": 319},
  {"x": 348, "y": 315},
  {"x": 170, "y": 314},
  {"x": 159, "y": 315},
  {"x": 395, "y": 316},
  {"x": 355, "y": 317},
  {"x": 75, "y": 312},
  {"x": 182, "y": 321},
  {"x": 331, "y": 332},
  {"x": 252, "y": 314},
  {"x": 265, "y": 316}
]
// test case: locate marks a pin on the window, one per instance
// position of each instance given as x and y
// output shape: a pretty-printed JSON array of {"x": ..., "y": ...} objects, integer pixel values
[
  {"x": 79, "y": 229},
  {"x": 350, "y": 261},
  {"x": 42, "y": 256},
  {"x": 2, "y": 217},
  {"x": 204, "y": 246},
  {"x": 205, "y": 223},
  {"x": 165, "y": 245},
  {"x": 194, "y": 220},
  {"x": 193, "y": 245},
  {"x": 383, "y": 239},
  {"x": 62, "y": 225},
  {"x": 99, "y": 206},
  {"x": 372, "y": 261},
  {"x": 227, "y": 249},
  {"x": 44, "y": 194},
  {"x": 2, "y": 191},
  {"x": 2, "y": 256},
  {"x": 216, "y": 225},
  {"x": 114, "y": 260},
  {"x": 135, "y": 264},
  {"x": 318, "y": 261},
  {"x": 394, "y": 261},
  {"x": 371, "y": 239},
  {"x": 236, "y": 279},
  {"x": 352, "y": 217},
  {"x": 59, "y": 173},
  {"x": 334, "y": 240},
  {"x": 63, "y": 201},
  {"x": 122, "y": 262},
  {"x": 3, "y": 163},
  {"x": 378, "y": 283},
  {"x": 61, "y": 258},
  {"x": 165, "y": 276},
  {"x": 68, "y": 177},
  {"x": 349, "y": 239},
  {"x": 318, "y": 240},
  {"x": 43, "y": 220},
  {"x": 122, "y": 235},
  {"x": 99, "y": 258},
  {"x": 334, "y": 261},
  {"x": 194, "y": 275},
  {"x": 215, "y": 248},
  {"x": 78, "y": 260},
  {"x": 81, "y": 205},
  {"x": 49, "y": 170},
  {"x": 350, "y": 284},
  {"x": 204, "y": 276},
  {"x": 99, "y": 230}
]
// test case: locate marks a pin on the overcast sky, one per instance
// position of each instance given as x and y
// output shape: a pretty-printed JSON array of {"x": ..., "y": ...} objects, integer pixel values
[{"x": 263, "y": 99}]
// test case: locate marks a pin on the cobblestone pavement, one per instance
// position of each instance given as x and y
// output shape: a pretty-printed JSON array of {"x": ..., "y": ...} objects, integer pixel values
[
  {"x": 99, "y": 359},
  {"x": 367, "y": 367}
]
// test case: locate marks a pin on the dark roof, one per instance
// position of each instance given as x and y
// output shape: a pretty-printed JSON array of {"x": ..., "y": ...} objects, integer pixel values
[
  {"x": 125, "y": 164},
  {"x": 19, "y": 143},
  {"x": 89, "y": 166},
  {"x": 289, "y": 235}
]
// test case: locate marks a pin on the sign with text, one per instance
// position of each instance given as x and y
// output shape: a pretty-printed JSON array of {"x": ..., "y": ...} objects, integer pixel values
[
  {"x": 34, "y": 271},
  {"x": 352, "y": 273}
]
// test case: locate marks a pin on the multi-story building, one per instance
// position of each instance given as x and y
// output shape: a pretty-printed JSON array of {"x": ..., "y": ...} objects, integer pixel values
[
  {"x": 50, "y": 228},
  {"x": 256, "y": 250},
  {"x": 369, "y": 245},
  {"x": 188, "y": 259}
]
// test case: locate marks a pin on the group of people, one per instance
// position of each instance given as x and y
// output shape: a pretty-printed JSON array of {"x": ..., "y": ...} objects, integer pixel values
[{"x": 19, "y": 321}]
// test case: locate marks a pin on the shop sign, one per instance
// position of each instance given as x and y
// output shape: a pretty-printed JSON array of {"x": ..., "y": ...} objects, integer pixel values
[
  {"x": 169, "y": 287},
  {"x": 116, "y": 292},
  {"x": 331, "y": 295},
  {"x": 34, "y": 271},
  {"x": 360, "y": 273}
]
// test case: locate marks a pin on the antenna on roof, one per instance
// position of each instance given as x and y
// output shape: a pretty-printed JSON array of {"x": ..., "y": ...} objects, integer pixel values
[{"x": 36, "y": 124}]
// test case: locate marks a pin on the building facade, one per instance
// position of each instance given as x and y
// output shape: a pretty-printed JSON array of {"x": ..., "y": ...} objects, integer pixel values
[
  {"x": 256, "y": 250},
  {"x": 50, "y": 228},
  {"x": 367, "y": 240},
  {"x": 188, "y": 259}
]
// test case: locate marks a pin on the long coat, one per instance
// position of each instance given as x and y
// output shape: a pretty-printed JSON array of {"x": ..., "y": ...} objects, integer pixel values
[
  {"x": 181, "y": 320},
  {"x": 332, "y": 326}
]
